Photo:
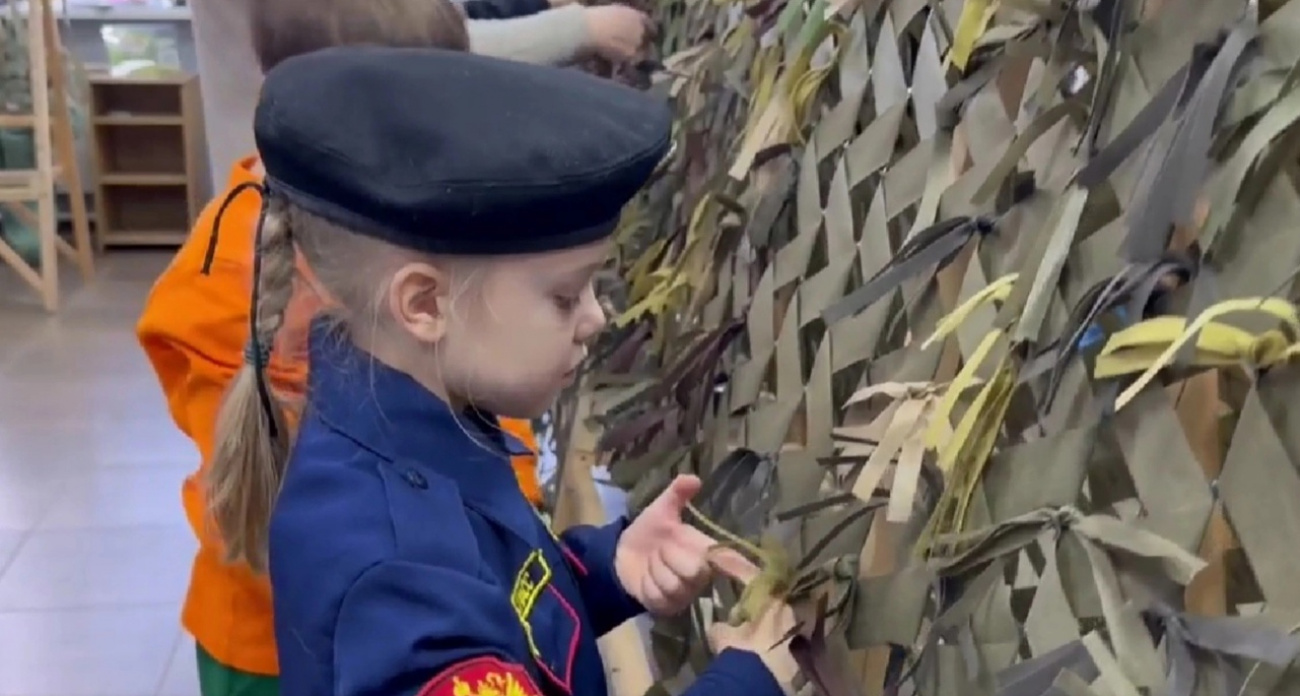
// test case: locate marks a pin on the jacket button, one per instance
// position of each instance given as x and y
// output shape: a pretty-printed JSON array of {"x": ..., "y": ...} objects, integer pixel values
[{"x": 415, "y": 478}]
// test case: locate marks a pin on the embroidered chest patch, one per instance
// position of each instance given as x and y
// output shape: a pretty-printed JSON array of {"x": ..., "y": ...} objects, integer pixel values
[
  {"x": 551, "y": 625},
  {"x": 530, "y": 582}
]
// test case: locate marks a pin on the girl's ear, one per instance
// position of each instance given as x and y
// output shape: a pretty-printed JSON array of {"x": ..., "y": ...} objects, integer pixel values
[{"x": 419, "y": 298}]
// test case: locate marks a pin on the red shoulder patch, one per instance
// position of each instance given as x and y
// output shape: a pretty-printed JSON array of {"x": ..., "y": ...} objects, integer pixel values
[{"x": 482, "y": 676}]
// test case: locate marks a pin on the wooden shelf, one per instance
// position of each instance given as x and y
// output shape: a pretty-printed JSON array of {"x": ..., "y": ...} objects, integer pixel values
[
  {"x": 144, "y": 179},
  {"x": 141, "y": 214},
  {"x": 137, "y": 120},
  {"x": 149, "y": 158},
  {"x": 150, "y": 238}
]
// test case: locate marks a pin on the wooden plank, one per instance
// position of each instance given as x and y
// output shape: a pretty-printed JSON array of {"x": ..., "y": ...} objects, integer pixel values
[{"x": 627, "y": 661}]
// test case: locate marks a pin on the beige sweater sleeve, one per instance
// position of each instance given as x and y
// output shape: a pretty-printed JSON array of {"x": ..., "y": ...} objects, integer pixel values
[{"x": 550, "y": 37}]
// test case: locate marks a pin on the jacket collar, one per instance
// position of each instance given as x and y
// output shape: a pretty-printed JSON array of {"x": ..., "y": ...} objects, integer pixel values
[{"x": 390, "y": 414}]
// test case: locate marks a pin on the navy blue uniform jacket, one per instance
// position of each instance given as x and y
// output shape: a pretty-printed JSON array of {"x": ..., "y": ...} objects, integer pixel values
[{"x": 405, "y": 560}]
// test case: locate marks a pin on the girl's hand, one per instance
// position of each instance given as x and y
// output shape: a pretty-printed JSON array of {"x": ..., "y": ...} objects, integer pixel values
[
  {"x": 618, "y": 33},
  {"x": 766, "y": 637},
  {"x": 665, "y": 563}
]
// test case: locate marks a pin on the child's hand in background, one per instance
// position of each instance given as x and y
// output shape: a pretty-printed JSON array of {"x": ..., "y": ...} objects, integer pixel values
[
  {"x": 618, "y": 33},
  {"x": 766, "y": 637}
]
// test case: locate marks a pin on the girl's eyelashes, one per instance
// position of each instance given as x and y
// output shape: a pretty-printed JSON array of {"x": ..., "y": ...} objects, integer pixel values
[
  {"x": 568, "y": 299},
  {"x": 566, "y": 303}
]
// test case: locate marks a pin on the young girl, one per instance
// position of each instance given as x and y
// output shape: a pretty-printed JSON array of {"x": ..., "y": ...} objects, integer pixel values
[
  {"x": 194, "y": 322},
  {"x": 453, "y": 210}
]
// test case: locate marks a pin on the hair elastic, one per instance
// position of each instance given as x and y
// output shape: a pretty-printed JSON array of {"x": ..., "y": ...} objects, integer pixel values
[{"x": 257, "y": 355}]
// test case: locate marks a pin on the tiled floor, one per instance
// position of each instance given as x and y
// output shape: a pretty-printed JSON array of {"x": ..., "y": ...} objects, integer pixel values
[{"x": 94, "y": 550}]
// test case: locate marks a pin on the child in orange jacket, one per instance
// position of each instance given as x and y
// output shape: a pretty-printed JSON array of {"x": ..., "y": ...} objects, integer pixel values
[{"x": 195, "y": 324}]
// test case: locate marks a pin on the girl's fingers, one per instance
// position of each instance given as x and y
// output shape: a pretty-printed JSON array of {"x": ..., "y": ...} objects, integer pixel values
[
  {"x": 663, "y": 577},
  {"x": 693, "y": 539},
  {"x": 686, "y": 563},
  {"x": 654, "y": 599},
  {"x": 729, "y": 562},
  {"x": 732, "y": 564}
]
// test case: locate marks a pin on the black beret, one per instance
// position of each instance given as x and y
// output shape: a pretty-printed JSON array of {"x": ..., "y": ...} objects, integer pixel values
[{"x": 448, "y": 152}]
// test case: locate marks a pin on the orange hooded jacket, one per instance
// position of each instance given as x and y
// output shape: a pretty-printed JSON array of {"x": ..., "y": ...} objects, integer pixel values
[{"x": 193, "y": 330}]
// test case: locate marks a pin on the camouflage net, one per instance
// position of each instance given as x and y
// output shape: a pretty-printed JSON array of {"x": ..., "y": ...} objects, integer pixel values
[{"x": 979, "y": 314}]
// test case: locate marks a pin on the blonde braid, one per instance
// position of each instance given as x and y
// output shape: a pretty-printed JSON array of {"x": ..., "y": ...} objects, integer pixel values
[
  {"x": 252, "y": 438},
  {"x": 275, "y": 286}
]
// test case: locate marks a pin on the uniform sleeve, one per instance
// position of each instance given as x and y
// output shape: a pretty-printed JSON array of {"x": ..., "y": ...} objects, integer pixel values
[
  {"x": 407, "y": 629},
  {"x": 735, "y": 672},
  {"x": 591, "y": 550},
  {"x": 503, "y": 9}
]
